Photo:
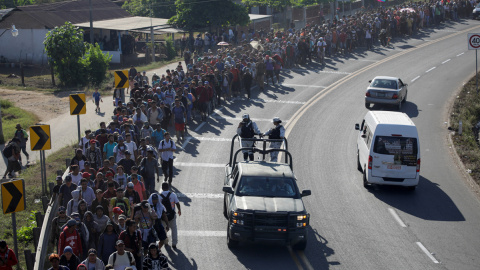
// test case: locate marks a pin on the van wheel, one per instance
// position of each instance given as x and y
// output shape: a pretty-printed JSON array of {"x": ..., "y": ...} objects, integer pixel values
[
  {"x": 405, "y": 97},
  {"x": 365, "y": 182},
  {"x": 230, "y": 242},
  {"x": 367, "y": 105},
  {"x": 359, "y": 166},
  {"x": 302, "y": 245}
]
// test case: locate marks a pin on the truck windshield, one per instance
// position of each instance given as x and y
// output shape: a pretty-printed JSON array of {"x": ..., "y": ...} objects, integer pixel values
[
  {"x": 267, "y": 187},
  {"x": 403, "y": 149}
]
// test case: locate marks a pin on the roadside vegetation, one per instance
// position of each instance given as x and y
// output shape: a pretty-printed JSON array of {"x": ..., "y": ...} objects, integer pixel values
[
  {"x": 11, "y": 116},
  {"x": 467, "y": 109},
  {"x": 33, "y": 191}
]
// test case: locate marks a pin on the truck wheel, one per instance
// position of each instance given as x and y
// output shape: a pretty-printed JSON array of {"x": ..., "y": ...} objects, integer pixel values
[
  {"x": 225, "y": 209},
  {"x": 367, "y": 105},
  {"x": 359, "y": 166},
  {"x": 302, "y": 245},
  {"x": 365, "y": 182},
  {"x": 230, "y": 242}
]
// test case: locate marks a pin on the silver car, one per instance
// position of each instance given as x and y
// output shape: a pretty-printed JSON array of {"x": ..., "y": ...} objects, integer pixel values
[{"x": 386, "y": 90}]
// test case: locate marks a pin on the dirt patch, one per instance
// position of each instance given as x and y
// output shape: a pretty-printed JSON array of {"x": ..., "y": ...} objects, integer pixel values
[{"x": 46, "y": 106}]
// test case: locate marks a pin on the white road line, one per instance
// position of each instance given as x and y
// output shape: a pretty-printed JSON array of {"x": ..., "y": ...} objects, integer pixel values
[
  {"x": 302, "y": 256},
  {"x": 430, "y": 69},
  {"x": 206, "y": 165},
  {"x": 396, "y": 217},
  {"x": 449, "y": 31},
  {"x": 425, "y": 250},
  {"x": 448, "y": 60},
  {"x": 200, "y": 126},
  {"x": 201, "y": 195},
  {"x": 239, "y": 119},
  {"x": 414, "y": 79},
  {"x": 304, "y": 85},
  {"x": 366, "y": 60},
  {"x": 186, "y": 142},
  {"x": 211, "y": 139},
  {"x": 460, "y": 54},
  {"x": 203, "y": 233},
  {"x": 270, "y": 100},
  {"x": 322, "y": 71}
]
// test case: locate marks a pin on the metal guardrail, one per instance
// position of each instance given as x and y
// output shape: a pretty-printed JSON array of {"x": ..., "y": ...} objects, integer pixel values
[{"x": 44, "y": 239}]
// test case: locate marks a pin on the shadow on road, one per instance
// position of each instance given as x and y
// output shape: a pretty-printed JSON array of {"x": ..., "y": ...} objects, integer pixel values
[
  {"x": 178, "y": 260},
  {"x": 427, "y": 202},
  {"x": 318, "y": 251}
]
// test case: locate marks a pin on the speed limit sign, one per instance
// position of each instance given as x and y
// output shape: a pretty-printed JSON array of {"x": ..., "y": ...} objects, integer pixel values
[{"x": 473, "y": 41}]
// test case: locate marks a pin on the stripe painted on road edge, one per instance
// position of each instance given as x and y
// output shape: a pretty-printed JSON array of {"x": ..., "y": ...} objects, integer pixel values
[
  {"x": 304, "y": 85},
  {"x": 425, "y": 250},
  {"x": 201, "y": 195},
  {"x": 397, "y": 217},
  {"x": 294, "y": 257},
  {"x": 207, "y": 165},
  {"x": 203, "y": 233},
  {"x": 304, "y": 259}
]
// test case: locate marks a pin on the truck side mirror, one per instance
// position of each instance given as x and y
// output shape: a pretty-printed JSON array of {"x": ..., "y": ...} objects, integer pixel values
[
  {"x": 306, "y": 193},
  {"x": 357, "y": 126},
  {"x": 228, "y": 189},
  {"x": 370, "y": 81}
]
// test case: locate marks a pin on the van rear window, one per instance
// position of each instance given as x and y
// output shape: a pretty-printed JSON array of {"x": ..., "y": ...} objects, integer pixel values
[{"x": 403, "y": 148}]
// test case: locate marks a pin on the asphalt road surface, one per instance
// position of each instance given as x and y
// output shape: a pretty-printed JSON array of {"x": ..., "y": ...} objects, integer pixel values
[{"x": 434, "y": 227}]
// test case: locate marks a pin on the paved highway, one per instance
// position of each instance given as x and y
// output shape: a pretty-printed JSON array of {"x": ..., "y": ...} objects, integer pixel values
[{"x": 434, "y": 227}]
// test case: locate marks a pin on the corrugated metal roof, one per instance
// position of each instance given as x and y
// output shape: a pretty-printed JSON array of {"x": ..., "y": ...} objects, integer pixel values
[
  {"x": 56, "y": 14},
  {"x": 124, "y": 24}
]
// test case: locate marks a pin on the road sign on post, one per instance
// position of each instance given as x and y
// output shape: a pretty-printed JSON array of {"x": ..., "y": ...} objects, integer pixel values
[
  {"x": 13, "y": 200},
  {"x": 77, "y": 104},
  {"x": 13, "y": 196},
  {"x": 474, "y": 44},
  {"x": 40, "y": 138},
  {"x": 121, "y": 79}
]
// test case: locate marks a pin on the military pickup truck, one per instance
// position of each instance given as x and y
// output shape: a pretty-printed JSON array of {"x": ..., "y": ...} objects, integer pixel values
[{"x": 262, "y": 202}]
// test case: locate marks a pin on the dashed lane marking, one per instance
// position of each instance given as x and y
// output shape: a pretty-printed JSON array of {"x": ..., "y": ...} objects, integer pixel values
[
  {"x": 414, "y": 79},
  {"x": 397, "y": 217},
  {"x": 425, "y": 250},
  {"x": 460, "y": 54},
  {"x": 446, "y": 61},
  {"x": 304, "y": 85},
  {"x": 430, "y": 69}
]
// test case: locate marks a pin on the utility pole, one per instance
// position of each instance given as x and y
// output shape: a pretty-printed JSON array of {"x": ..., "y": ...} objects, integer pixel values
[
  {"x": 151, "y": 33},
  {"x": 91, "y": 23}
]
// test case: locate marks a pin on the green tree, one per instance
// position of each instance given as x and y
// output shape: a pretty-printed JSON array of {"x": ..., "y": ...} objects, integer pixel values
[
  {"x": 197, "y": 14},
  {"x": 65, "y": 47},
  {"x": 160, "y": 8},
  {"x": 95, "y": 63}
]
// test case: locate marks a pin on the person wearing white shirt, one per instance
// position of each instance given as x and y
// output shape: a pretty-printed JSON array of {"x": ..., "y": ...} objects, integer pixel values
[
  {"x": 166, "y": 149},
  {"x": 174, "y": 202},
  {"x": 121, "y": 259},
  {"x": 76, "y": 175},
  {"x": 131, "y": 146}
]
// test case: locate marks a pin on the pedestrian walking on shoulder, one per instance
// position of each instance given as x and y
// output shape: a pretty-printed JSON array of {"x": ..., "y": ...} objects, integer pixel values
[
  {"x": 277, "y": 133},
  {"x": 170, "y": 211},
  {"x": 12, "y": 153},
  {"x": 22, "y": 135},
  {"x": 97, "y": 98}
]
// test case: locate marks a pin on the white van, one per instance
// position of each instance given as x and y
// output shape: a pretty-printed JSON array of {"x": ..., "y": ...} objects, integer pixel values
[{"x": 388, "y": 149}]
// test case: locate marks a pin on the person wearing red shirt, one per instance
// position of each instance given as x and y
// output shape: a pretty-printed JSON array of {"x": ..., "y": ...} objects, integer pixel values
[
  {"x": 7, "y": 256},
  {"x": 70, "y": 237}
]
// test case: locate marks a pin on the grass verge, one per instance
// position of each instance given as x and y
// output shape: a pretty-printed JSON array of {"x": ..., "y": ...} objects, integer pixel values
[
  {"x": 11, "y": 116},
  {"x": 33, "y": 193},
  {"x": 466, "y": 108}
]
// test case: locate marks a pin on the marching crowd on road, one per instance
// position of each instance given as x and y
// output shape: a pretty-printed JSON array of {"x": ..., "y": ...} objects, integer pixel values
[{"x": 110, "y": 215}]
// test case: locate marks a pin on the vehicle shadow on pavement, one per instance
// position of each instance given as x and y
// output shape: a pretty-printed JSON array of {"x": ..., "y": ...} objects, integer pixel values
[
  {"x": 427, "y": 202},
  {"x": 178, "y": 260},
  {"x": 318, "y": 251},
  {"x": 263, "y": 256},
  {"x": 410, "y": 108}
]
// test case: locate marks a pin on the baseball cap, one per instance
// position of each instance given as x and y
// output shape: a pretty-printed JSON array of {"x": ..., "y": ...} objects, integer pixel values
[
  {"x": 92, "y": 251},
  {"x": 120, "y": 189},
  {"x": 61, "y": 209},
  {"x": 68, "y": 249},
  {"x": 92, "y": 141},
  {"x": 119, "y": 242},
  {"x": 59, "y": 178},
  {"x": 86, "y": 175},
  {"x": 130, "y": 185},
  {"x": 117, "y": 210},
  {"x": 71, "y": 223},
  {"x": 154, "y": 197},
  {"x": 122, "y": 216}
]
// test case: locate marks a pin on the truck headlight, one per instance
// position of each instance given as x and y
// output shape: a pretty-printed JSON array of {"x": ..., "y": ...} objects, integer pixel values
[
  {"x": 238, "y": 221},
  {"x": 237, "y": 214},
  {"x": 302, "y": 217},
  {"x": 301, "y": 224}
]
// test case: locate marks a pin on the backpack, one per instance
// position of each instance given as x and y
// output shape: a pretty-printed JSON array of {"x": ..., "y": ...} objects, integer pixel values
[
  {"x": 8, "y": 151},
  {"x": 168, "y": 206},
  {"x": 129, "y": 255},
  {"x": 120, "y": 203},
  {"x": 171, "y": 143}
]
